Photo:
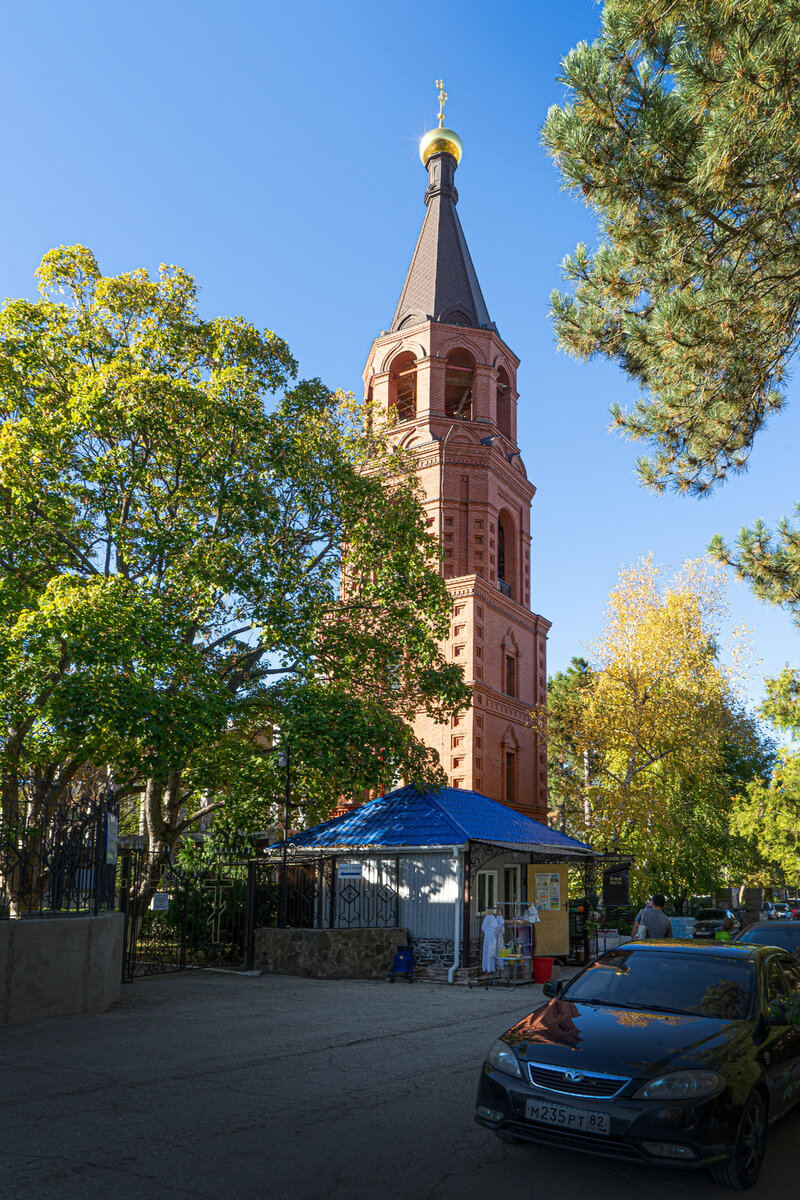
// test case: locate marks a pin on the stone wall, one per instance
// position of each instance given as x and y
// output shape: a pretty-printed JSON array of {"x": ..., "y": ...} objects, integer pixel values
[
  {"x": 328, "y": 953},
  {"x": 432, "y": 952},
  {"x": 52, "y": 967}
]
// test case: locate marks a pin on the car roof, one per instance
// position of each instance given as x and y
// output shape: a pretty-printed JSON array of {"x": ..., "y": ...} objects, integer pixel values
[{"x": 711, "y": 949}]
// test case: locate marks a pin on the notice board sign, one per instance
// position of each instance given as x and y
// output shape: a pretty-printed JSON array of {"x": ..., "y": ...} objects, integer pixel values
[
  {"x": 160, "y": 902},
  {"x": 547, "y": 887},
  {"x": 616, "y": 886},
  {"x": 348, "y": 870}
]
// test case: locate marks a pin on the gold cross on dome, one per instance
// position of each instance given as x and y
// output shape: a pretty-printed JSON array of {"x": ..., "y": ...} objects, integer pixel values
[{"x": 442, "y": 98}]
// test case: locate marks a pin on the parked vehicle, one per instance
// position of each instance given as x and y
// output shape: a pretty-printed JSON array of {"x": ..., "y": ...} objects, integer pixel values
[
  {"x": 605, "y": 1067},
  {"x": 709, "y": 921},
  {"x": 785, "y": 934}
]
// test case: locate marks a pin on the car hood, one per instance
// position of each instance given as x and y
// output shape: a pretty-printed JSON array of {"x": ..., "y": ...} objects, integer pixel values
[{"x": 617, "y": 1041}]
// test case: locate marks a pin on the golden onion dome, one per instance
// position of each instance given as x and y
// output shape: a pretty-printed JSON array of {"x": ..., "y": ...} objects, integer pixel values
[{"x": 440, "y": 141}]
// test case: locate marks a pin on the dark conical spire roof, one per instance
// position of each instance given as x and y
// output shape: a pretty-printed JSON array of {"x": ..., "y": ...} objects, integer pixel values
[{"x": 441, "y": 284}]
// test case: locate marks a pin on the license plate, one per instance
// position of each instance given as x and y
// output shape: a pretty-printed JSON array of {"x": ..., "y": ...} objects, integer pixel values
[{"x": 584, "y": 1120}]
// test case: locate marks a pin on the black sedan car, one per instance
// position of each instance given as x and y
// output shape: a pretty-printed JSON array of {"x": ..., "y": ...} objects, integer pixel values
[
  {"x": 785, "y": 934},
  {"x": 708, "y": 921},
  {"x": 667, "y": 1052}
]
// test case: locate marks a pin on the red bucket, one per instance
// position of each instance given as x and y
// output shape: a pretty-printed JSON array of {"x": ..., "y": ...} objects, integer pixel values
[{"x": 542, "y": 969}]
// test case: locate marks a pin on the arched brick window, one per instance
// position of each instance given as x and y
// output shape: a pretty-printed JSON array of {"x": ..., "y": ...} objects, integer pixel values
[
  {"x": 503, "y": 403},
  {"x": 506, "y": 554},
  {"x": 510, "y": 773},
  {"x": 459, "y": 371},
  {"x": 403, "y": 387}
]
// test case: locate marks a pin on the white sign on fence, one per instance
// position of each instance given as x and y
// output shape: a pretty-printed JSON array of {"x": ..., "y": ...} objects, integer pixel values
[
  {"x": 112, "y": 838},
  {"x": 348, "y": 870},
  {"x": 160, "y": 902}
]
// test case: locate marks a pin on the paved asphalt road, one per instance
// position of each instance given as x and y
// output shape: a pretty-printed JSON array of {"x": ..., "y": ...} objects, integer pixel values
[{"x": 213, "y": 1086}]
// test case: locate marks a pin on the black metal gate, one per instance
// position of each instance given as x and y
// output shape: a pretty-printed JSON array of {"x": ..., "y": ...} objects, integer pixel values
[{"x": 177, "y": 919}]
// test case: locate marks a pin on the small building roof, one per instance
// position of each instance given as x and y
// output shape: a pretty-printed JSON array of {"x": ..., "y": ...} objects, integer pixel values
[{"x": 409, "y": 817}]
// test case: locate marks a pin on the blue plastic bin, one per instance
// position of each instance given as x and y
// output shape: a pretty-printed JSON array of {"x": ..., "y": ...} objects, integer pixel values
[{"x": 403, "y": 964}]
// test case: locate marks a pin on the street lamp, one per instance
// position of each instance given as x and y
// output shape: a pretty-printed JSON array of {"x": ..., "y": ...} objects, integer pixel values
[{"x": 495, "y": 437}]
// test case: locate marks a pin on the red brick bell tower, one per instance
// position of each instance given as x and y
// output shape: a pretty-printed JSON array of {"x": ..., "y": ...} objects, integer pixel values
[{"x": 445, "y": 376}]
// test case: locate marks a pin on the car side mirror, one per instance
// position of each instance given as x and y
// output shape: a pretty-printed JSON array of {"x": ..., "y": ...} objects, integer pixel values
[{"x": 552, "y": 987}]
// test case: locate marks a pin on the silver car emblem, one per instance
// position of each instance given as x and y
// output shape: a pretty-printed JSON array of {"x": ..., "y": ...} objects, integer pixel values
[{"x": 574, "y": 1076}]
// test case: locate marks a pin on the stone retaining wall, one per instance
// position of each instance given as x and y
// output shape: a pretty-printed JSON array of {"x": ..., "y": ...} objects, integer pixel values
[
  {"x": 53, "y": 967},
  {"x": 328, "y": 953},
  {"x": 433, "y": 952}
]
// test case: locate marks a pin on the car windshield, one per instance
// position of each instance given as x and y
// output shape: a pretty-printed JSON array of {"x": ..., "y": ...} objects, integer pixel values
[
  {"x": 788, "y": 938},
  {"x": 702, "y": 985},
  {"x": 711, "y": 914}
]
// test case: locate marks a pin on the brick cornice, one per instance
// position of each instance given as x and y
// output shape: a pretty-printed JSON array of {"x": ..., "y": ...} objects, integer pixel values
[{"x": 466, "y": 586}]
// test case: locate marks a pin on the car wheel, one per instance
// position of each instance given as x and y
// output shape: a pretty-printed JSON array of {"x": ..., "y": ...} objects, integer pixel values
[
  {"x": 509, "y": 1138},
  {"x": 743, "y": 1167}
]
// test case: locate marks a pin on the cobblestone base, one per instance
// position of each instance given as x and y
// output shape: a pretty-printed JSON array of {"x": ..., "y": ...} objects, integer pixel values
[{"x": 328, "y": 953}]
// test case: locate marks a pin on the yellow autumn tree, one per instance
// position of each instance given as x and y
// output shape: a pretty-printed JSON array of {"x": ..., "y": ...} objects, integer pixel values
[{"x": 640, "y": 735}]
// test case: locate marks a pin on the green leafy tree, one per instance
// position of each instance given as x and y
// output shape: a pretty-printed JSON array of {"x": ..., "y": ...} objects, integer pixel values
[
  {"x": 184, "y": 566},
  {"x": 571, "y": 767},
  {"x": 646, "y": 742},
  {"x": 767, "y": 815},
  {"x": 681, "y": 130},
  {"x": 767, "y": 812}
]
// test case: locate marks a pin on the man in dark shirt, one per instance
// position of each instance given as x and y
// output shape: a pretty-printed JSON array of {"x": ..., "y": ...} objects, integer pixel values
[{"x": 654, "y": 920}]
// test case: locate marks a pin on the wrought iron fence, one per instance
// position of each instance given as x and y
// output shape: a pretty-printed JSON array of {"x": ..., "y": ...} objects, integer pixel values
[
  {"x": 57, "y": 857},
  {"x": 178, "y": 918}
]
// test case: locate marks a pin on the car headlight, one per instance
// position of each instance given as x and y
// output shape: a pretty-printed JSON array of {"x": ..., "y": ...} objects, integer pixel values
[
  {"x": 503, "y": 1058},
  {"x": 680, "y": 1085}
]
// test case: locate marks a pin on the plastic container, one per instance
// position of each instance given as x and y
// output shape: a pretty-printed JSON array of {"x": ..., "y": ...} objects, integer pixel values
[
  {"x": 403, "y": 964},
  {"x": 542, "y": 969}
]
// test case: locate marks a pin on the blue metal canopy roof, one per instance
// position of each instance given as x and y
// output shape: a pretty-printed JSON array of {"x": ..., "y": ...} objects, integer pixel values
[{"x": 450, "y": 817}]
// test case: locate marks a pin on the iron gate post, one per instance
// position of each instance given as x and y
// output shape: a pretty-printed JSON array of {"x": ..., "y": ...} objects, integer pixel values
[
  {"x": 99, "y": 857},
  {"x": 125, "y": 903},
  {"x": 397, "y": 892},
  {"x": 184, "y": 924},
  {"x": 283, "y": 908},
  {"x": 250, "y": 917}
]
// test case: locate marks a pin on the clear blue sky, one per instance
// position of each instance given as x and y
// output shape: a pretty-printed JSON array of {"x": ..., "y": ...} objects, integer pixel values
[{"x": 271, "y": 149}]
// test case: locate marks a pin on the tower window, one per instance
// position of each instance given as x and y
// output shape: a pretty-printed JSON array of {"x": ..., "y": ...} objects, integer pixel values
[
  {"x": 458, "y": 384},
  {"x": 506, "y": 550},
  {"x": 511, "y": 777},
  {"x": 503, "y": 403},
  {"x": 502, "y": 582},
  {"x": 511, "y": 675},
  {"x": 403, "y": 387}
]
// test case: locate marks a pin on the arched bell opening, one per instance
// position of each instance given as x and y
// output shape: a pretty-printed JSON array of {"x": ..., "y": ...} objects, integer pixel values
[
  {"x": 504, "y": 403},
  {"x": 458, "y": 379},
  {"x": 403, "y": 387},
  {"x": 507, "y": 555}
]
